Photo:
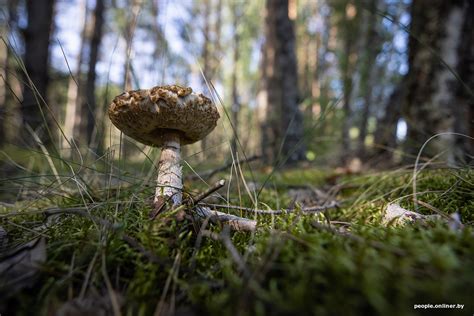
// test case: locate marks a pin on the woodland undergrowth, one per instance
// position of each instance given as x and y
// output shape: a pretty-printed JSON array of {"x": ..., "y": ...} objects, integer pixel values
[{"x": 103, "y": 253}]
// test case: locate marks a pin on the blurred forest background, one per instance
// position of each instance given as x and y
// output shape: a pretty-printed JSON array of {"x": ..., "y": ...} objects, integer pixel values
[
  {"x": 322, "y": 81},
  {"x": 360, "y": 112}
]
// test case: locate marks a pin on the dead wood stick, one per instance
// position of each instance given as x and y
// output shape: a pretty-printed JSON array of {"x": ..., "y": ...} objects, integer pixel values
[
  {"x": 219, "y": 184},
  {"x": 312, "y": 209},
  {"x": 5, "y": 204},
  {"x": 434, "y": 209},
  {"x": 44, "y": 211},
  {"x": 235, "y": 222},
  {"x": 209, "y": 173}
]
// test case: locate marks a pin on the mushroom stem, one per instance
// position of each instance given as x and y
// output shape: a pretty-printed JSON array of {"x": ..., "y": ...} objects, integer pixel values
[{"x": 170, "y": 176}]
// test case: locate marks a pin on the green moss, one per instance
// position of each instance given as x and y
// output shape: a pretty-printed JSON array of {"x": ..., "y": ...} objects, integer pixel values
[{"x": 295, "y": 267}]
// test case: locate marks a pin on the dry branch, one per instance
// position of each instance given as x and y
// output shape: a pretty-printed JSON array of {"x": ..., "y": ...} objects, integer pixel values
[
  {"x": 313, "y": 209},
  {"x": 235, "y": 222},
  {"x": 219, "y": 184}
]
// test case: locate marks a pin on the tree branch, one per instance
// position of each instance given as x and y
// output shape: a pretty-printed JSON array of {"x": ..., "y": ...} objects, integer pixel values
[
  {"x": 219, "y": 184},
  {"x": 235, "y": 222},
  {"x": 312, "y": 209}
]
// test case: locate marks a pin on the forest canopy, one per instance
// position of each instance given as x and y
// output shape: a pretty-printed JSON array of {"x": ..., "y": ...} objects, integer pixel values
[{"x": 351, "y": 77}]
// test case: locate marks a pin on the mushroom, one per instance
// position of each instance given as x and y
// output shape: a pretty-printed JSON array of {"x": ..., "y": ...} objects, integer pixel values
[{"x": 167, "y": 117}]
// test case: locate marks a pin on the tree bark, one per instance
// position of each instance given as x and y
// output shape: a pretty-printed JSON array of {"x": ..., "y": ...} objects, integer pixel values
[
  {"x": 11, "y": 80},
  {"x": 349, "y": 28},
  {"x": 161, "y": 46},
  {"x": 206, "y": 58},
  {"x": 385, "y": 136},
  {"x": 235, "y": 110},
  {"x": 217, "y": 40},
  {"x": 3, "y": 78},
  {"x": 321, "y": 82},
  {"x": 130, "y": 12},
  {"x": 317, "y": 67},
  {"x": 92, "y": 74},
  {"x": 282, "y": 130},
  {"x": 437, "y": 101},
  {"x": 37, "y": 34},
  {"x": 72, "y": 118},
  {"x": 464, "y": 114},
  {"x": 129, "y": 32},
  {"x": 371, "y": 52}
]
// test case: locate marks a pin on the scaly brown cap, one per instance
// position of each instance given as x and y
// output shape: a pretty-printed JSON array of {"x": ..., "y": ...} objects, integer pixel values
[{"x": 146, "y": 115}]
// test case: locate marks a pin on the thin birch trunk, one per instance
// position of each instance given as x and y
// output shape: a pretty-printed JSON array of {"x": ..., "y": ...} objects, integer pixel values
[{"x": 235, "y": 95}]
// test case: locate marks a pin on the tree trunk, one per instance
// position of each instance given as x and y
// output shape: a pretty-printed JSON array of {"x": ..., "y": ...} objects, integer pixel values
[
  {"x": 349, "y": 27},
  {"x": 72, "y": 119},
  {"x": 161, "y": 46},
  {"x": 91, "y": 73},
  {"x": 437, "y": 101},
  {"x": 235, "y": 110},
  {"x": 304, "y": 64},
  {"x": 317, "y": 68},
  {"x": 131, "y": 12},
  {"x": 321, "y": 82},
  {"x": 464, "y": 114},
  {"x": 129, "y": 32},
  {"x": 34, "y": 110},
  {"x": 3, "y": 79},
  {"x": 282, "y": 130},
  {"x": 385, "y": 136},
  {"x": 371, "y": 51},
  {"x": 206, "y": 59},
  {"x": 347, "y": 91},
  {"x": 10, "y": 106},
  {"x": 217, "y": 42}
]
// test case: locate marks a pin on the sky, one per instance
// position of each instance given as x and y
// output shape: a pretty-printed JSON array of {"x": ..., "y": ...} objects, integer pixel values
[
  {"x": 69, "y": 22},
  {"x": 69, "y": 26}
]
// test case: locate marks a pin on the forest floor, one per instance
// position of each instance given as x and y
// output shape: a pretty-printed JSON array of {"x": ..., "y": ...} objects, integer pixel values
[{"x": 97, "y": 251}]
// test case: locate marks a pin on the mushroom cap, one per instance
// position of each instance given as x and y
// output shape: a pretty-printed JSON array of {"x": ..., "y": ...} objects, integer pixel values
[{"x": 147, "y": 115}]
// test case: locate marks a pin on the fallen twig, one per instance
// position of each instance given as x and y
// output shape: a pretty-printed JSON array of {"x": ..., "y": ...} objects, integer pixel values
[
  {"x": 313, "y": 209},
  {"x": 44, "y": 211},
  {"x": 432, "y": 208},
  {"x": 219, "y": 184},
  {"x": 235, "y": 222},
  {"x": 209, "y": 173},
  {"x": 5, "y": 204}
]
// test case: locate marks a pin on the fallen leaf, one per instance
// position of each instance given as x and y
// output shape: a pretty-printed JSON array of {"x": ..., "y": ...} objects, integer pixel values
[{"x": 395, "y": 214}]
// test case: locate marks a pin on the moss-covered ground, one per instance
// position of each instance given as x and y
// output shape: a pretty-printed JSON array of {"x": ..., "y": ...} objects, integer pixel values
[{"x": 113, "y": 255}]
